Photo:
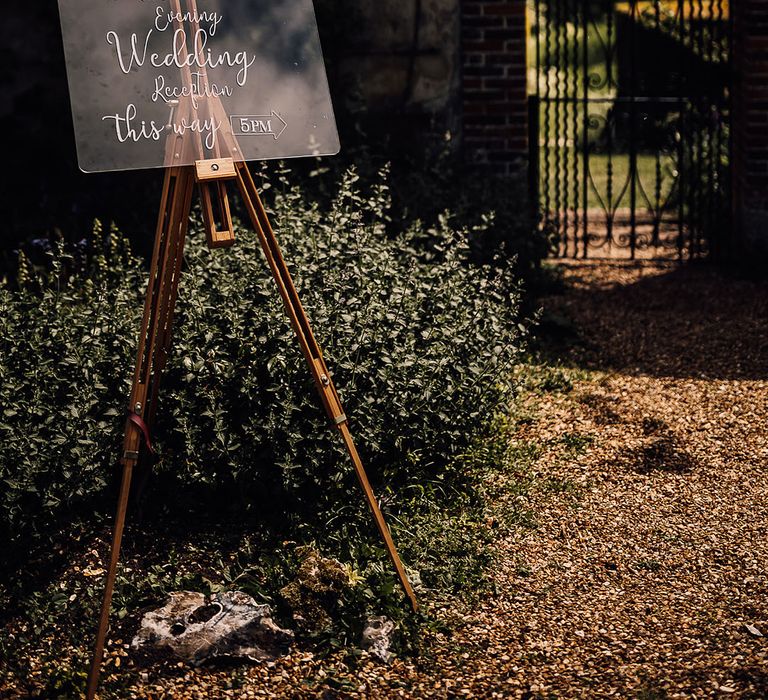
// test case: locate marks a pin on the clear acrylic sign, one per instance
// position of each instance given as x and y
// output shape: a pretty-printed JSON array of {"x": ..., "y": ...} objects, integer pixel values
[{"x": 159, "y": 83}]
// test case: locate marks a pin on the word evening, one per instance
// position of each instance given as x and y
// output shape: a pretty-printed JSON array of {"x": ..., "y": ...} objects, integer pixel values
[{"x": 165, "y": 18}]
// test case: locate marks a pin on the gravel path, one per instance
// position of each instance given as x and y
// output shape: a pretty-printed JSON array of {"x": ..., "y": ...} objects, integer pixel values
[{"x": 645, "y": 576}]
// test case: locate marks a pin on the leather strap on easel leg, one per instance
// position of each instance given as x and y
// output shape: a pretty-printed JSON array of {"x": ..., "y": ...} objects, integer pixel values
[{"x": 138, "y": 421}]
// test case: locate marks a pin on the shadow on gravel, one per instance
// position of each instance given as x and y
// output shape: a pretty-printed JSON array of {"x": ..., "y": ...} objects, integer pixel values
[
  {"x": 659, "y": 319},
  {"x": 661, "y": 454}
]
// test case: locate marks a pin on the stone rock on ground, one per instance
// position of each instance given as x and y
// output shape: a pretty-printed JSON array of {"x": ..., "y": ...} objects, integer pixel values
[
  {"x": 197, "y": 629},
  {"x": 378, "y": 636}
]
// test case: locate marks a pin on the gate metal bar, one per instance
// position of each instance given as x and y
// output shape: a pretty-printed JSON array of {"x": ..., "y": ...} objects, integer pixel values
[{"x": 631, "y": 108}]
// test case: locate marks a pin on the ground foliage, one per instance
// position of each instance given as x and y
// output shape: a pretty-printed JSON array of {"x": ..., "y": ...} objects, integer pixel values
[{"x": 420, "y": 340}]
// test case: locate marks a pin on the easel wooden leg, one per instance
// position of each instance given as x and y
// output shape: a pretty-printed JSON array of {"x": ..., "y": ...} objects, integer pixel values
[
  {"x": 154, "y": 341},
  {"x": 164, "y": 325},
  {"x": 314, "y": 357},
  {"x": 170, "y": 294}
]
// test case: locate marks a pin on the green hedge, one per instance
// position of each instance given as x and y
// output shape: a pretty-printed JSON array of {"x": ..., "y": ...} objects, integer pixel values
[{"x": 419, "y": 340}]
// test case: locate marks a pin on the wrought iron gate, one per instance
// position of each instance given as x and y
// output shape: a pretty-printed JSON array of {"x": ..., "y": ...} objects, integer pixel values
[{"x": 631, "y": 106}]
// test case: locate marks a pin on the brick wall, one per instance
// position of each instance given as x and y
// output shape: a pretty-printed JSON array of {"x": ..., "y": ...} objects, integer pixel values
[
  {"x": 494, "y": 106},
  {"x": 750, "y": 126}
]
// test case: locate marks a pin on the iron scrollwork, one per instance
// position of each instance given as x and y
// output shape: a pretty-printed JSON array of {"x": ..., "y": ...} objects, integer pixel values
[{"x": 634, "y": 118}]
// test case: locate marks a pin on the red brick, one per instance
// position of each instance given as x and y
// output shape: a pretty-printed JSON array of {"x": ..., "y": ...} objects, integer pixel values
[
  {"x": 495, "y": 112},
  {"x": 750, "y": 114}
]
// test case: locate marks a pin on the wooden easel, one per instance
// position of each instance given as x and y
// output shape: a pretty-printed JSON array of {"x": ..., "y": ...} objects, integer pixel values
[{"x": 210, "y": 173}]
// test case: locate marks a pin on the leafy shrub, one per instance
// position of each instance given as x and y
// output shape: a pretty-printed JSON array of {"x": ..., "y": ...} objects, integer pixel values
[
  {"x": 495, "y": 210},
  {"x": 419, "y": 341},
  {"x": 65, "y": 355},
  {"x": 428, "y": 179}
]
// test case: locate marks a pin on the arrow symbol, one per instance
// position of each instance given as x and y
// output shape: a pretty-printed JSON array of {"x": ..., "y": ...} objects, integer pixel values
[{"x": 282, "y": 121}]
